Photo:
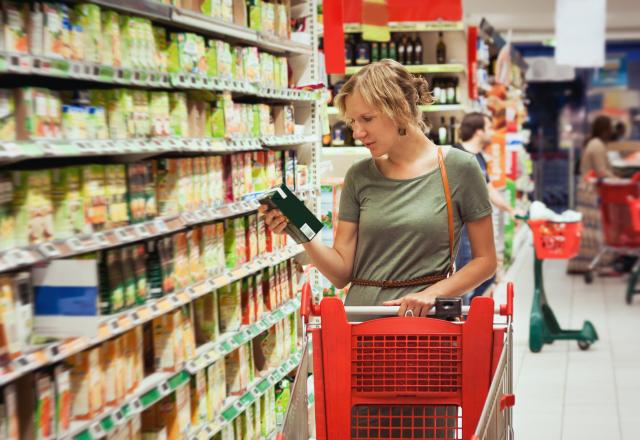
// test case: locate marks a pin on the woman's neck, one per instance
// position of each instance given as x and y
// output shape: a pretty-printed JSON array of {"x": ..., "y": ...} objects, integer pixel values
[{"x": 412, "y": 148}]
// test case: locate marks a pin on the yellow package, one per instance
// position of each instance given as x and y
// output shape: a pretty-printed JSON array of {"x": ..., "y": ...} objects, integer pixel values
[
  {"x": 206, "y": 313},
  {"x": 164, "y": 347},
  {"x": 86, "y": 384},
  {"x": 230, "y": 307},
  {"x": 216, "y": 389},
  {"x": 199, "y": 398},
  {"x": 110, "y": 370}
]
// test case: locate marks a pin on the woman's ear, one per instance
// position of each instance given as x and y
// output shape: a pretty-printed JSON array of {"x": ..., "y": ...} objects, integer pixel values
[{"x": 402, "y": 131}]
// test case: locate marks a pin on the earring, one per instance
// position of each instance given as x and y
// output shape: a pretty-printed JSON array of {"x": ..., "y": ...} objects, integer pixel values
[{"x": 402, "y": 131}]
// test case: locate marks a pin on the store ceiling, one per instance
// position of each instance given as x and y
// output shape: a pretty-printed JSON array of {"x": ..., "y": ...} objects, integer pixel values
[{"x": 533, "y": 20}]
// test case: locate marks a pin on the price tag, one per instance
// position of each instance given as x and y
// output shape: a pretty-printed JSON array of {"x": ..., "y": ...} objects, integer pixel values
[
  {"x": 155, "y": 309},
  {"x": 188, "y": 217},
  {"x": 101, "y": 239},
  {"x": 193, "y": 293},
  {"x": 136, "y": 406},
  {"x": 234, "y": 208},
  {"x": 97, "y": 431},
  {"x": 175, "y": 300},
  {"x": 164, "y": 388},
  {"x": 135, "y": 317},
  {"x": 49, "y": 250},
  {"x": 142, "y": 230},
  {"x": 161, "y": 226},
  {"x": 119, "y": 417},
  {"x": 122, "y": 234},
  {"x": 19, "y": 256},
  {"x": 114, "y": 326},
  {"x": 201, "y": 215},
  {"x": 207, "y": 357}
]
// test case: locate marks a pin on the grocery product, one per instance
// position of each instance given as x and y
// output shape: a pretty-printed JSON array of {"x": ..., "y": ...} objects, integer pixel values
[
  {"x": 206, "y": 314},
  {"x": 68, "y": 207},
  {"x": 32, "y": 207},
  {"x": 9, "y": 423},
  {"x": 229, "y": 307},
  {"x": 86, "y": 379},
  {"x": 216, "y": 388},
  {"x": 62, "y": 381},
  {"x": 45, "y": 407}
]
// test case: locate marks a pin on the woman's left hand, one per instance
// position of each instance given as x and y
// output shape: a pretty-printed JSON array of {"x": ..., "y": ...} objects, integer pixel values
[{"x": 418, "y": 303}]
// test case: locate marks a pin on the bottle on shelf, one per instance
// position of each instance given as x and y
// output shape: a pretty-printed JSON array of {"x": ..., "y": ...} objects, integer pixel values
[
  {"x": 402, "y": 50},
  {"x": 441, "y": 50},
  {"x": 443, "y": 133},
  {"x": 452, "y": 131},
  {"x": 375, "y": 51},
  {"x": 408, "y": 54},
  {"x": 392, "y": 49},
  {"x": 435, "y": 90},
  {"x": 452, "y": 91},
  {"x": 384, "y": 50},
  {"x": 417, "y": 49},
  {"x": 339, "y": 134},
  {"x": 349, "y": 50},
  {"x": 363, "y": 54}
]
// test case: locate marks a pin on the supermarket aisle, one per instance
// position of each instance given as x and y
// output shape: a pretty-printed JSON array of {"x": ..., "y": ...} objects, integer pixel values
[{"x": 566, "y": 394}]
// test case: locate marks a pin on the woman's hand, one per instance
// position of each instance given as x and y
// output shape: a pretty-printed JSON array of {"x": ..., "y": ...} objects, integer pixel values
[
  {"x": 274, "y": 219},
  {"x": 418, "y": 303}
]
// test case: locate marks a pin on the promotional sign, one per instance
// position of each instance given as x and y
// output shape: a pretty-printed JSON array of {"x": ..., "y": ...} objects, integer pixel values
[
  {"x": 580, "y": 32},
  {"x": 409, "y": 10},
  {"x": 612, "y": 74},
  {"x": 496, "y": 164}
]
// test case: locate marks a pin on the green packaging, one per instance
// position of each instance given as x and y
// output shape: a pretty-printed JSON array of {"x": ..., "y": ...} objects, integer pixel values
[
  {"x": 231, "y": 257},
  {"x": 116, "y": 192},
  {"x": 32, "y": 207},
  {"x": 94, "y": 196},
  {"x": 128, "y": 275},
  {"x": 211, "y": 58},
  {"x": 7, "y": 116},
  {"x": 88, "y": 16},
  {"x": 229, "y": 307},
  {"x": 111, "y": 56},
  {"x": 206, "y": 313},
  {"x": 7, "y": 221},
  {"x": 111, "y": 282},
  {"x": 187, "y": 53},
  {"x": 179, "y": 115},
  {"x": 283, "y": 396},
  {"x": 140, "y": 272},
  {"x": 67, "y": 202}
]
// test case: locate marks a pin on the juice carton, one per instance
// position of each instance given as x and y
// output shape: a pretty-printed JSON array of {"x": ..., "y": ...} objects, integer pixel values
[
  {"x": 216, "y": 389},
  {"x": 230, "y": 307},
  {"x": 9, "y": 421},
  {"x": 206, "y": 313},
  {"x": 88, "y": 16},
  {"x": 179, "y": 115},
  {"x": 86, "y": 380},
  {"x": 62, "y": 380},
  {"x": 181, "y": 259},
  {"x": 94, "y": 195},
  {"x": 199, "y": 398},
  {"x": 111, "y": 56},
  {"x": 14, "y": 27}
]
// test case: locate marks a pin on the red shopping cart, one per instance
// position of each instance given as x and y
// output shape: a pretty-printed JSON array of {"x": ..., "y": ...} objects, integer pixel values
[
  {"x": 410, "y": 378},
  {"x": 618, "y": 231},
  {"x": 634, "y": 210}
]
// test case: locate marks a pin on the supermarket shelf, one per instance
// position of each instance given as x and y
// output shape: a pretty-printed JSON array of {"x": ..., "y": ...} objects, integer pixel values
[
  {"x": 24, "y": 150},
  {"x": 116, "y": 324},
  {"x": 294, "y": 139},
  {"x": 211, "y": 352},
  {"x": 425, "y": 108},
  {"x": 417, "y": 26},
  {"x": 158, "y": 385},
  {"x": 208, "y": 25},
  {"x": 344, "y": 151},
  {"x": 441, "y": 108},
  {"x": 237, "y": 405},
  {"x": 24, "y": 64},
  {"x": 420, "y": 68}
]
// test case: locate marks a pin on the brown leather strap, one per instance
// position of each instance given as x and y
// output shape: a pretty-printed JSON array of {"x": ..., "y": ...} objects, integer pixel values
[
  {"x": 447, "y": 195},
  {"x": 428, "y": 279}
]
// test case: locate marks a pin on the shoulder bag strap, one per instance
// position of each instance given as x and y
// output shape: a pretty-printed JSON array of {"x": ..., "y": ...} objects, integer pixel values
[{"x": 447, "y": 195}]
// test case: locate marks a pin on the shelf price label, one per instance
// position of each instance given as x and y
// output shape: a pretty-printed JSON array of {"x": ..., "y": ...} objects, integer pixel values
[
  {"x": 123, "y": 235},
  {"x": 49, "y": 250}
]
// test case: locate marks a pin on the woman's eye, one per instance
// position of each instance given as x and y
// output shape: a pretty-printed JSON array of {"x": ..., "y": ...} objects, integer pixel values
[{"x": 367, "y": 119}]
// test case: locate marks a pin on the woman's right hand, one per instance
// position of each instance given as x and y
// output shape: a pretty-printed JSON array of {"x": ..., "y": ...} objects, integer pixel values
[{"x": 273, "y": 218}]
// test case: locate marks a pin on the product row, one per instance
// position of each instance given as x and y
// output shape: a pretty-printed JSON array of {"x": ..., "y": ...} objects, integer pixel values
[
  {"x": 36, "y": 113},
  {"x": 43, "y": 205},
  {"x": 404, "y": 48},
  {"x": 38, "y": 305},
  {"x": 105, "y": 377},
  {"x": 103, "y": 37}
]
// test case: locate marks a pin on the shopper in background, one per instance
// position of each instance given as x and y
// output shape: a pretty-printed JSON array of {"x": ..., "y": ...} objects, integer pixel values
[
  {"x": 402, "y": 211},
  {"x": 594, "y": 160},
  {"x": 475, "y": 134}
]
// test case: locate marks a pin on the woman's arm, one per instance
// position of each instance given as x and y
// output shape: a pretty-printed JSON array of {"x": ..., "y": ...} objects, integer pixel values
[
  {"x": 335, "y": 263},
  {"x": 479, "y": 269}
]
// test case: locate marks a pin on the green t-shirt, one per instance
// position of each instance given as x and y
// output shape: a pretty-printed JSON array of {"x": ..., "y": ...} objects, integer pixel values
[{"x": 402, "y": 224}]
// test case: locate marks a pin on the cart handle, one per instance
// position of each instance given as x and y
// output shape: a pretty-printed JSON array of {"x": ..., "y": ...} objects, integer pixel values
[{"x": 308, "y": 308}]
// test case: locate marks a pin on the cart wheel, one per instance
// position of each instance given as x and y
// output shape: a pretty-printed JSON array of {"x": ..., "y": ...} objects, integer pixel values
[
  {"x": 588, "y": 277},
  {"x": 584, "y": 345}
]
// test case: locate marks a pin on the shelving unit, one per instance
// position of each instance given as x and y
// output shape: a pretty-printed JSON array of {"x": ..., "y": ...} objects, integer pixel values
[
  {"x": 43, "y": 153},
  {"x": 421, "y": 68}
]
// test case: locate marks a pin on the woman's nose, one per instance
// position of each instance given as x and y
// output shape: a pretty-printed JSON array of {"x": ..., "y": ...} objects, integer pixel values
[{"x": 358, "y": 133}]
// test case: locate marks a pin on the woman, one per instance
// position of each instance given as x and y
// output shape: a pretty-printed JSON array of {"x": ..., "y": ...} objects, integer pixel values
[
  {"x": 594, "y": 159},
  {"x": 394, "y": 243}
]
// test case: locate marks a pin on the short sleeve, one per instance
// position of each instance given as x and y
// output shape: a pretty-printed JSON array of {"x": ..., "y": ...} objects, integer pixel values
[
  {"x": 349, "y": 210},
  {"x": 473, "y": 195}
]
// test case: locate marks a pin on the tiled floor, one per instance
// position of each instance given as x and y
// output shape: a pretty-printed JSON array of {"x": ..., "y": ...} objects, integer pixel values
[{"x": 563, "y": 393}]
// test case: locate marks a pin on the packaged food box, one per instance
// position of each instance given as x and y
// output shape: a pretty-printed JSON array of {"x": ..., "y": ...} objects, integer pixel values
[
  {"x": 109, "y": 359},
  {"x": 63, "y": 409},
  {"x": 116, "y": 193},
  {"x": 181, "y": 260},
  {"x": 140, "y": 272},
  {"x": 112, "y": 282},
  {"x": 9, "y": 413},
  {"x": 165, "y": 348},
  {"x": 216, "y": 388},
  {"x": 230, "y": 307},
  {"x": 94, "y": 196},
  {"x": 167, "y": 186},
  {"x": 247, "y": 300},
  {"x": 206, "y": 313},
  {"x": 14, "y": 27},
  {"x": 32, "y": 207},
  {"x": 86, "y": 384},
  {"x": 128, "y": 276},
  {"x": 199, "y": 398}
]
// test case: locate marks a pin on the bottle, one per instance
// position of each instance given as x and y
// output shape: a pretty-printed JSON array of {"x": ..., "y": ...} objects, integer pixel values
[
  {"x": 339, "y": 134},
  {"x": 454, "y": 91},
  {"x": 375, "y": 51},
  {"x": 408, "y": 55},
  {"x": 441, "y": 50},
  {"x": 326, "y": 140},
  {"x": 363, "y": 53},
  {"x": 417, "y": 50},
  {"x": 393, "y": 50},
  {"x": 402, "y": 49},
  {"x": 442, "y": 132},
  {"x": 349, "y": 49},
  {"x": 384, "y": 50},
  {"x": 444, "y": 84},
  {"x": 452, "y": 131},
  {"x": 435, "y": 90}
]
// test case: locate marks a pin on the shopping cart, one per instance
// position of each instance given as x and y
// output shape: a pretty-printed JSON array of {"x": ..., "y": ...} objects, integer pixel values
[
  {"x": 409, "y": 378},
  {"x": 634, "y": 210},
  {"x": 553, "y": 240},
  {"x": 618, "y": 233}
]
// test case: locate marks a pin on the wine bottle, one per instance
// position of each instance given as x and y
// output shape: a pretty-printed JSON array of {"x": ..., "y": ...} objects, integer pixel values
[
  {"x": 349, "y": 49},
  {"x": 442, "y": 132},
  {"x": 393, "y": 50},
  {"x": 408, "y": 54},
  {"x": 363, "y": 56},
  {"x": 375, "y": 51},
  {"x": 402, "y": 50},
  {"x": 452, "y": 131},
  {"x": 441, "y": 50},
  {"x": 417, "y": 50},
  {"x": 384, "y": 50},
  {"x": 339, "y": 134}
]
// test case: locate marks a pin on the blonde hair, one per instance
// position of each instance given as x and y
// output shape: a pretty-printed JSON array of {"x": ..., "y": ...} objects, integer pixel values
[{"x": 390, "y": 87}]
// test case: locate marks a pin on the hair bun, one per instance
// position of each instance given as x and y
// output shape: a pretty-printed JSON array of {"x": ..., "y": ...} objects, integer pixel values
[{"x": 422, "y": 88}]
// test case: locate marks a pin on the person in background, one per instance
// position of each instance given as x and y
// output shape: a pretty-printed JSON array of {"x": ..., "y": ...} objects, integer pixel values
[
  {"x": 594, "y": 160},
  {"x": 476, "y": 133},
  {"x": 619, "y": 131}
]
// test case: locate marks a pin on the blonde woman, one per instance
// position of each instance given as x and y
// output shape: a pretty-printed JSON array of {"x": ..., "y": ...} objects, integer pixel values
[{"x": 401, "y": 211}]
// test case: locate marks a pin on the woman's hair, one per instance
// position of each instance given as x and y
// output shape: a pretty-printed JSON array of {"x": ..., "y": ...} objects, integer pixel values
[
  {"x": 388, "y": 86},
  {"x": 601, "y": 128}
]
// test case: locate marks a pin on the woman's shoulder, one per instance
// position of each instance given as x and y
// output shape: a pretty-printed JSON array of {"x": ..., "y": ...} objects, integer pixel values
[
  {"x": 459, "y": 159},
  {"x": 360, "y": 169},
  {"x": 595, "y": 144}
]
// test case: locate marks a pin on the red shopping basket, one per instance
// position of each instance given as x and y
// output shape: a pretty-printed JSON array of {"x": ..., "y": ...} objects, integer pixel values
[
  {"x": 617, "y": 226},
  {"x": 555, "y": 240},
  {"x": 402, "y": 378},
  {"x": 634, "y": 208}
]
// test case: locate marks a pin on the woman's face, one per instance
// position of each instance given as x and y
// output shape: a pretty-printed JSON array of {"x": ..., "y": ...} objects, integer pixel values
[{"x": 377, "y": 131}]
